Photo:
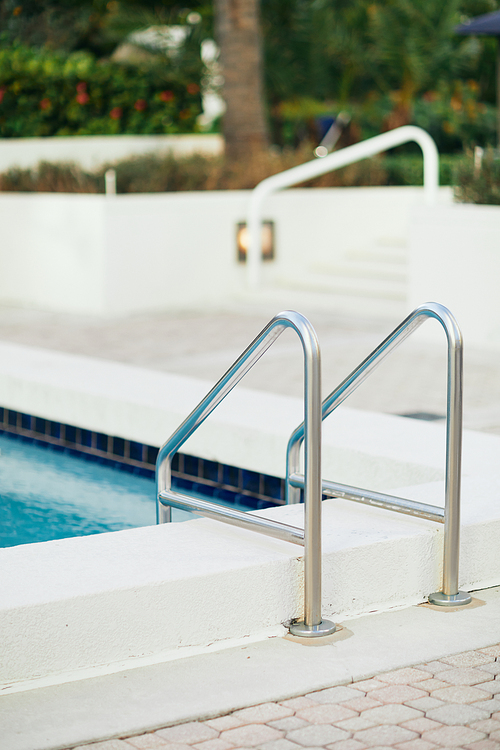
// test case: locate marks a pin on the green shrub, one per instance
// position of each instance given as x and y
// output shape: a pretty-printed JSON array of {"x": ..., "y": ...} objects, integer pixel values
[
  {"x": 44, "y": 93},
  {"x": 478, "y": 182}
]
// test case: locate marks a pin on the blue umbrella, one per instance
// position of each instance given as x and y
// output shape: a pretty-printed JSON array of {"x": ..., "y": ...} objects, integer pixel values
[{"x": 486, "y": 25}]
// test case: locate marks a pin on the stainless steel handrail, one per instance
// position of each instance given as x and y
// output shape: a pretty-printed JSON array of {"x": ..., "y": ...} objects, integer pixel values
[
  {"x": 313, "y": 625},
  {"x": 450, "y": 595},
  {"x": 329, "y": 163}
]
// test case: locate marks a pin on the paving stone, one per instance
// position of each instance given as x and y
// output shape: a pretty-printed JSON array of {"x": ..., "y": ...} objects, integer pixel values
[
  {"x": 491, "y": 650},
  {"x": 326, "y": 713},
  {"x": 424, "y": 704},
  {"x": 106, "y": 745},
  {"x": 223, "y": 722},
  {"x": 356, "y": 724},
  {"x": 403, "y": 676},
  {"x": 361, "y": 704},
  {"x": 347, "y": 745},
  {"x": 421, "y": 725},
  {"x": 493, "y": 686},
  {"x": 487, "y": 725},
  {"x": 281, "y": 744},
  {"x": 188, "y": 734},
  {"x": 213, "y": 745},
  {"x": 286, "y": 725},
  {"x": 334, "y": 694},
  {"x": 416, "y": 745},
  {"x": 297, "y": 703},
  {"x": 317, "y": 735},
  {"x": 493, "y": 667},
  {"x": 453, "y": 736},
  {"x": 386, "y": 735},
  {"x": 465, "y": 676},
  {"x": 397, "y": 694},
  {"x": 250, "y": 735},
  {"x": 460, "y": 694},
  {"x": 468, "y": 659},
  {"x": 368, "y": 685},
  {"x": 394, "y": 713},
  {"x": 495, "y": 736},
  {"x": 146, "y": 741},
  {"x": 430, "y": 685},
  {"x": 262, "y": 713},
  {"x": 496, "y": 715},
  {"x": 483, "y": 745},
  {"x": 491, "y": 706},
  {"x": 454, "y": 714},
  {"x": 434, "y": 667}
]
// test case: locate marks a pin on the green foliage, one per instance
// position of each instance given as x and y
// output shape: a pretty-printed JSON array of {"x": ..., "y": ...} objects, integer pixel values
[
  {"x": 478, "y": 181},
  {"x": 45, "y": 93}
]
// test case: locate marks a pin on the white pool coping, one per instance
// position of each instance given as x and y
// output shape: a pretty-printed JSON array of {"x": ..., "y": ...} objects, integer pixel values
[
  {"x": 205, "y": 685},
  {"x": 146, "y": 596}
]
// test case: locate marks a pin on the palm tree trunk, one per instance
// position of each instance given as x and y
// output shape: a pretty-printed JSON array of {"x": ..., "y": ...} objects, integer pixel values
[{"x": 237, "y": 32}]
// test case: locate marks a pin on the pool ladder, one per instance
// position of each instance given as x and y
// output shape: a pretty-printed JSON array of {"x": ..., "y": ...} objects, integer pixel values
[{"x": 310, "y": 482}]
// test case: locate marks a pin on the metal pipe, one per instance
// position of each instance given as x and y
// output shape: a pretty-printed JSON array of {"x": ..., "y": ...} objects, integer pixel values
[
  {"x": 376, "y": 499},
  {"x": 450, "y": 595},
  {"x": 337, "y": 159},
  {"x": 312, "y": 625},
  {"x": 234, "y": 517}
]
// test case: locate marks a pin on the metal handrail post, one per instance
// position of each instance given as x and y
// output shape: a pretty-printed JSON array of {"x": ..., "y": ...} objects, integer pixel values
[
  {"x": 337, "y": 159},
  {"x": 313, "y": 624},
  {"x": 450, "y": 595}
]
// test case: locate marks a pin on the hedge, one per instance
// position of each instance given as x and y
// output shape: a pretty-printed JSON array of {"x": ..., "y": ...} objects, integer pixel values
[{"x": 45, "y": 93}]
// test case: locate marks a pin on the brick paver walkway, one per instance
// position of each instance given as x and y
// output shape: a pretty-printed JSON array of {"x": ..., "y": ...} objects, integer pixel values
[{"x": 453, "y": 702}]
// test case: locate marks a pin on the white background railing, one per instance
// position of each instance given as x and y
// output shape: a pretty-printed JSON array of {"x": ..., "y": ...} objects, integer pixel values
[{"x": 329, "y": 163}]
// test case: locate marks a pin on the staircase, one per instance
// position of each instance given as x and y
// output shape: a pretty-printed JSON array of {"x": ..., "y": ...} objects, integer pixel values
[{"x": 364, "y": 281}]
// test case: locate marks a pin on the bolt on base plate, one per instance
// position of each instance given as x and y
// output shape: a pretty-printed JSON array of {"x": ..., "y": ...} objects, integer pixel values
[
  {"x": 325, "y": 627},
  {"x": 450, "y": 600}
]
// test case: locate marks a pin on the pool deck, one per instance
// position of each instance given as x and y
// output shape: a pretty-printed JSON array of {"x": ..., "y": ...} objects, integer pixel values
[{"x": 416, "y": 678}]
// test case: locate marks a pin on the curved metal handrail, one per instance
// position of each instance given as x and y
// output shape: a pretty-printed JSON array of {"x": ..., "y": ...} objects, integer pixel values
[
  {"x": 313, "y": 625},
  {"x": 450, "y": 594},
  {"x": 337, "y": 159}
]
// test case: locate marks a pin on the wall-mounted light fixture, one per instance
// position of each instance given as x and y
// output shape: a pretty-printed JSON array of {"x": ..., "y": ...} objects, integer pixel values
[{"x": 267, "y": 241}]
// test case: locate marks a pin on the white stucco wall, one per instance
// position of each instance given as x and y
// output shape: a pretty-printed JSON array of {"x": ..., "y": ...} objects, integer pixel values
[
  {"x": 92, "y": 151},
  {"x": 131, "y": 253},
  {"x": 455, "y": 258}
]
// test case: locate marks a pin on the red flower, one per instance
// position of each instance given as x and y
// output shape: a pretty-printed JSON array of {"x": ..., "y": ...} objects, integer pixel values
[
  {"x": 140, "y": 105},
  {"x": 82, "y": 98},
  {"x": 166, "y": 96},
  {"x": 45, "y": 104},
  {"x": 116, "y": 113},
  {"x": 2, "y": 93},
  {"x": 81, "y": 87},
  {"x": 192, "y": 88}
]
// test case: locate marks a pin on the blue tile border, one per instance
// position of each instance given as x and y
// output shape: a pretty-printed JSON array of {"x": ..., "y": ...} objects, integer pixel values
[{"x": 190, "y": 473}]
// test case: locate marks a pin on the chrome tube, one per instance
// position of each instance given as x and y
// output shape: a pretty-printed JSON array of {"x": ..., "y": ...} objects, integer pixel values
[
  {"x": 450, "y": 595},
  {"x": 376, "y": 499},
  {"x": 313, "y": 625},
  {"x": 235, "y": 517}
]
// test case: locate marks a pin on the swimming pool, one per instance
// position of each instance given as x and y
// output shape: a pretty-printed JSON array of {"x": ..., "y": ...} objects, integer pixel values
[{"x": 47, "y": 494}]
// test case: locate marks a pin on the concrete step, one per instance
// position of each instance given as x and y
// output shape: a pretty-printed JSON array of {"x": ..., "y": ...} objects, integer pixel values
[{"x": 377, "y": 288}]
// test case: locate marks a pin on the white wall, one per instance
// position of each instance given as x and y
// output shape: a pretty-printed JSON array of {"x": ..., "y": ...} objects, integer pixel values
[
  {"x": 91, "y": 151},
  {"x": 167, "y": 251},
  {"x": 455, "y": 259}
]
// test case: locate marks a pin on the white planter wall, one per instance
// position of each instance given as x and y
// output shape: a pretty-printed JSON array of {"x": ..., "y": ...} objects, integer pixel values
[
  {"x": 455, "y": 259},
  {"x": 91, "y": 151},
  {"x": 171, "y": 251}
]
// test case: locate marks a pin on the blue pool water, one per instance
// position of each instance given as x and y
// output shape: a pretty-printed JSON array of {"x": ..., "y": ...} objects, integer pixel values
[{"x": 47, "y": 495}]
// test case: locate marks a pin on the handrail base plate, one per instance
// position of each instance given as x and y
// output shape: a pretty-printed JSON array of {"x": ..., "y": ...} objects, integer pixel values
[
  {"x": 450, "y": 600},
  {"x": 325, "y": 627}
]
